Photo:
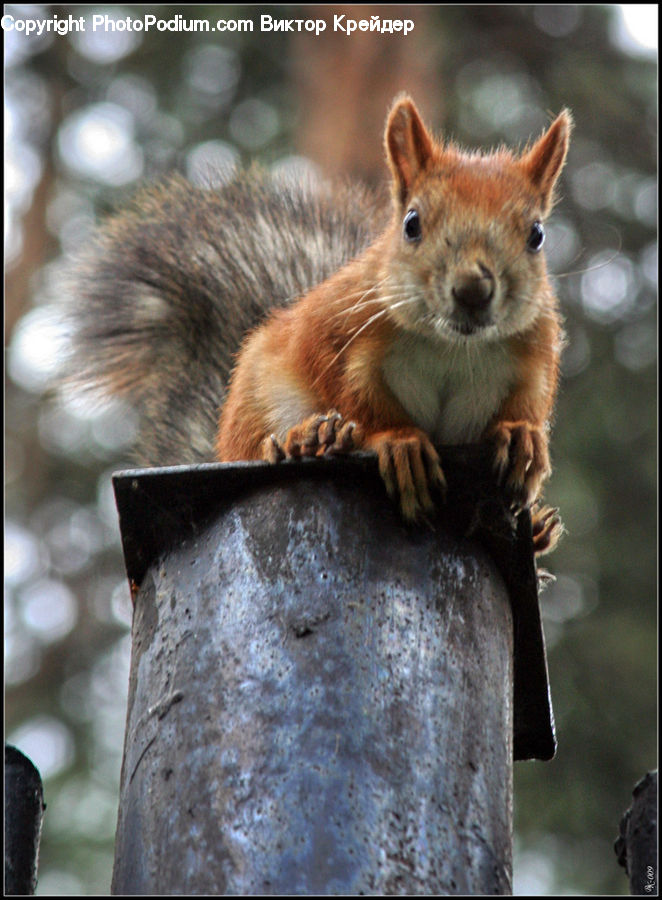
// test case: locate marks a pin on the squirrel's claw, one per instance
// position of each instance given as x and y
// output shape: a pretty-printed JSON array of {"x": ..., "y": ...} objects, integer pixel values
[
  {"x": 410, "y": 468},
  {"x": 318, "y": 435},
  {"x": 271, "y": 450},
  {"x": 304, "y": 439},
  {"x": 521, "y": 461},
  {"x": 347, "y": 437},
  {"x": 547, "y": 529}
]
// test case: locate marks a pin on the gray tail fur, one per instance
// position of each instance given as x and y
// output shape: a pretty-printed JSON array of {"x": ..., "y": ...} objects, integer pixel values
[{"x": 167, "y": 289}]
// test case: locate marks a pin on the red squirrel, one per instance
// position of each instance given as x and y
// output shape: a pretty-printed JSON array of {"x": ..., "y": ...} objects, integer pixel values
[
  {"x": 433, "y": 323},
  {"x": 445, "y": 330}
]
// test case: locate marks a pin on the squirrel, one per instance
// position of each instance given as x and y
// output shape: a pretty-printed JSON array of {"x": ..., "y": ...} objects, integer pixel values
[{"x": 388, "y": 330}]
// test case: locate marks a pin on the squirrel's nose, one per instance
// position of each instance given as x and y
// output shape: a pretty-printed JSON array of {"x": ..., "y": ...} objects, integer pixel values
[{"x": 473, "y": 289}]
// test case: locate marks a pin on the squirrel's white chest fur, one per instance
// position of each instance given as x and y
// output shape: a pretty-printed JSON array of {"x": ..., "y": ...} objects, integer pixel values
[{"x": 451, "y": 391}]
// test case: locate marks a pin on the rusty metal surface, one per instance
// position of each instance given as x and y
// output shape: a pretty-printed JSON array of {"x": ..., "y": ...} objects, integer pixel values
[
  {"x": 159, "y": 507},
  {"x": 320, "y": 699}
]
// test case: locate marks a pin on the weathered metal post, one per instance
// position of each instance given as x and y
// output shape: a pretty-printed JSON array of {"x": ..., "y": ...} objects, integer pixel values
[
  {"x": 321, "y": 700},
  {"x": 636, "y": 845},
  {"x": 24, "y": 810}
]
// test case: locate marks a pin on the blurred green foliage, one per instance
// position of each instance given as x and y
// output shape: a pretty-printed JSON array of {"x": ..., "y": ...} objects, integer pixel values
[{"x": 162, "y": 99}]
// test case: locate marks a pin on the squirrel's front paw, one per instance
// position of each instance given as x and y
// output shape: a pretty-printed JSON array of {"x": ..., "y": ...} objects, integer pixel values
[
  {"x": 410, "y": 468},
  {"x": 315, "y": 436},
  {"x": 547, "y": 529},
  {"x": 521, "y": 460}
]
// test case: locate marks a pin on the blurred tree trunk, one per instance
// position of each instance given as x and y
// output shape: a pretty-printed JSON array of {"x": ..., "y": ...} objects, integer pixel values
[
  {"x": 345, "y": 84},
  {"x": 36, "y": 244}
]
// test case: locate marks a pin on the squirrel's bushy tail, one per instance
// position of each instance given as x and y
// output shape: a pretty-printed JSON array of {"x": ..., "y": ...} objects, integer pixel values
[{"x": 167, "y": 289}]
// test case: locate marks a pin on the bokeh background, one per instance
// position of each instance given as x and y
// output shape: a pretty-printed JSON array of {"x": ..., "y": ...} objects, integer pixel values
[{"x": 90, "y": 115}]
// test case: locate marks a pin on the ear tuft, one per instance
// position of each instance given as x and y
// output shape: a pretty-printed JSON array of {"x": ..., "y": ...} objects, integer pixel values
[
  {"x": 544, "y": 161},
  {"x": 408, "y": 145}
]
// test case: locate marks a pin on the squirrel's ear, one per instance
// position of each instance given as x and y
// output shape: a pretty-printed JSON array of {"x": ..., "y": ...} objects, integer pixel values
[
  {"x": 544, "y": 161},
  {"x": 408, "y": 145}
]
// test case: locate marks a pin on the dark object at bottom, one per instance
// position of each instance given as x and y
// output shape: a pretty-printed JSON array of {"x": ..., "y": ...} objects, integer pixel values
[
  {"x": 321, "y": 700},
  {"x": 636, "y": 845},
  {"x": 24, "y": 808}
]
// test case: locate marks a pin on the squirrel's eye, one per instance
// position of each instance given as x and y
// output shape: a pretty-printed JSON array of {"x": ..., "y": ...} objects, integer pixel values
[
  {"x": 412, "y": 226},
  {"x": 536, "y": 238}
]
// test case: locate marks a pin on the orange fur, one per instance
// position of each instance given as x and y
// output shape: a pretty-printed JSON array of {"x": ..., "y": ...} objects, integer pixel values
[{"x": 449, "y": 336}]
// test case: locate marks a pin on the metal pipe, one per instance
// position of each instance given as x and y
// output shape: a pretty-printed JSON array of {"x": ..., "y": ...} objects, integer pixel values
[{"x": 321, "y": 701}]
